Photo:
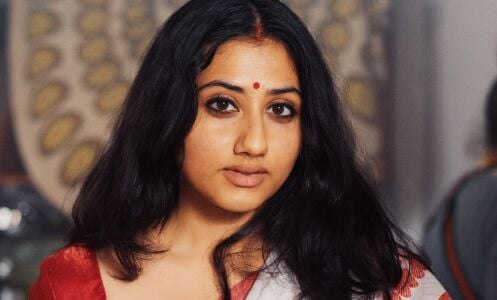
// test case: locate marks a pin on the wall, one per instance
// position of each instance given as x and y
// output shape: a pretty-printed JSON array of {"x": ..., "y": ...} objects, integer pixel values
[{"x": 444, "y": 59}]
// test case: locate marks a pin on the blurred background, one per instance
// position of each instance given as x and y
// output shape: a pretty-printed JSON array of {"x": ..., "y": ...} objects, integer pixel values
[{"x": 413, "y": 75}]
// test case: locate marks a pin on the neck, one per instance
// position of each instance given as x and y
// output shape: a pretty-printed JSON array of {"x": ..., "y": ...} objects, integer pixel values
[{"x": 198, "y": 225}]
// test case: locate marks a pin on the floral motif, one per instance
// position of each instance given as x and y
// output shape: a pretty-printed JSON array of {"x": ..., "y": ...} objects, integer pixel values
[
  {"x": 412, "y": 272},
  {"x": 445, "y": 296}
]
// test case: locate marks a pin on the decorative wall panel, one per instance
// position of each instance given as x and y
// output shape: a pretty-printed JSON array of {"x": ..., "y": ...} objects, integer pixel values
[{"x": 72, "y": 62}]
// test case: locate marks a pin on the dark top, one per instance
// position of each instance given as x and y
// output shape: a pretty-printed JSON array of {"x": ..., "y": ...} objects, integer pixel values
[{"x": 475, "y": 237}]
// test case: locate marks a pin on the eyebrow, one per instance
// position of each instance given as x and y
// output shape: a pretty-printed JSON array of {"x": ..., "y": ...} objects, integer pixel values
[
  {"x": 223, "y": 84},
  {"x": 240, "y": 90},
  {"x": 284, "y": 91}
]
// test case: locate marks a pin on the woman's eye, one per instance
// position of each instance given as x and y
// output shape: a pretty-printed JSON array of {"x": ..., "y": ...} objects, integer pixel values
[
  {"x": 282, "y": 110},
  {"x": 221, "y": 105}
]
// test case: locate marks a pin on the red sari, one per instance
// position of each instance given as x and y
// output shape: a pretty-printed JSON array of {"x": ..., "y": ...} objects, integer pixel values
[{"x": 73, "y": 274}]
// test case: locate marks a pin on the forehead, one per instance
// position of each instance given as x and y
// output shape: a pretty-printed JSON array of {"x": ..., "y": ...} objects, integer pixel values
[{"x": 248, "y": 61}]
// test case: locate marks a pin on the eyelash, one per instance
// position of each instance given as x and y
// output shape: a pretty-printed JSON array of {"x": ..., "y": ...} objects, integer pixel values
[
  {"x": 227, "y": 101},
  {"x": 217, "y": 100},
  {"x": 290, "y": 108}
]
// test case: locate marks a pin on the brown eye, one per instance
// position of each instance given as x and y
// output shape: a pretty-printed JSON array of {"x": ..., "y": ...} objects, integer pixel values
[
  {"x": 221, "y": 105},
  {"x": 281, "y": 110},
  {"x": 278, "y": 109}
]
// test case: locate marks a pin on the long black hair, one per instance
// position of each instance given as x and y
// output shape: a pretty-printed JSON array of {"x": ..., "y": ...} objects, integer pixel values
[{"x": 325, "y": 223}]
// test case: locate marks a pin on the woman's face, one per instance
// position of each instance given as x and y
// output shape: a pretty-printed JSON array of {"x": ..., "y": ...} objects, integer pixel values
[{"x": 246, "y": 137}]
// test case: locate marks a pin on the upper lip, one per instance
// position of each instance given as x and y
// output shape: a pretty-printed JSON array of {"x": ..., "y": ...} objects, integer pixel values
[{"x": 247, "y": 169}]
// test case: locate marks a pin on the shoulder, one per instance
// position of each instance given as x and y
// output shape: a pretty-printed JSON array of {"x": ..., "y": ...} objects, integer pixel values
[
  {"x": 73, "y": 269},
  {"x": 476, "y": 210},
  {"x": 418, "y": 283},
  {"x": 76, "y": 260},
  {"x": 480, "y": 184}
]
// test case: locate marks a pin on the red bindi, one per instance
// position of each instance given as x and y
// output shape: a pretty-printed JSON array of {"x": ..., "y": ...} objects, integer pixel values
[{"x": 256, "y": 85}]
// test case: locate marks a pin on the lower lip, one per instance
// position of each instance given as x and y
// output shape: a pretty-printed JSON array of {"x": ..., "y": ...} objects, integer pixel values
[{"x": 244, "y": 180}]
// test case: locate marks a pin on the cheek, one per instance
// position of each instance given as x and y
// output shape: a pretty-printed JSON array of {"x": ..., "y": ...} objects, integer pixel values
[
  {"x": 286, "y": 144},
  {"x": 205, "y": 146}
]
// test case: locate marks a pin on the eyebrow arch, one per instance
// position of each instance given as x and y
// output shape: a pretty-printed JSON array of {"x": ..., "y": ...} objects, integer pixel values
[
  {"x": 240, "y": 90},
  {"x": 223, "y": 84},
  {"x": 285, "y": 91}
]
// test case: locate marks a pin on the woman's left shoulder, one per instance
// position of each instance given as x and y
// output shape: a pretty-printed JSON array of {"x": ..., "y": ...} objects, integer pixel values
[{"x": 418, "y": 283}]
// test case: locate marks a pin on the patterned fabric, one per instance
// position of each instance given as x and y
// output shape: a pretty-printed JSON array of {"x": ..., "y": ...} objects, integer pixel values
[
  {"x": 73, "y": 273},
  {"x": 417, "y": 283}
]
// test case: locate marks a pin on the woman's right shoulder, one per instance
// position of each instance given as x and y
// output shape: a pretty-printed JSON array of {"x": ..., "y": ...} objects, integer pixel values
[
  {"x": 70, "y": 273},
  {"x": 74, "y": 258}
]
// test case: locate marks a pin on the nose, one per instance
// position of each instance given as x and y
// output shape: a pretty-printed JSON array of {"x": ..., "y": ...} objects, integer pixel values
[{"x": 252, "y": 138}]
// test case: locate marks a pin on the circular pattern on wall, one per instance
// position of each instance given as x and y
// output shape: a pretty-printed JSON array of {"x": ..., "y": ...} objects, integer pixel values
[
  {"x": 136, "y": 12},
  {"x": 79, "y": 161},
  {"x": 360, "y": 97},
  {"x": 59, "y": 131},
  {"x": 42, "y": 60},
  {"x": 111, "y": 99},
  {"x": 300, "y": 7},
  {"x": 93, "y": 21},
  {"x": 344, "y": 9},
  {"x": 136, "y": 33},
  {"x": 47, "y": 96},
  {"x": 95, "y": 49},
  {"x": 140, "y": 24},
  {"x": 41, "y": 23},
  {"x": 335, "y": 36},
  {"x": 102, "y": 75}
]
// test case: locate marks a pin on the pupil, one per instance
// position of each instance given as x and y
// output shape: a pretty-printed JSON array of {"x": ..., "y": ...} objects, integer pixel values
[
  {"x": 278, "y": 109},
  {"x": 222, "y": 105}
]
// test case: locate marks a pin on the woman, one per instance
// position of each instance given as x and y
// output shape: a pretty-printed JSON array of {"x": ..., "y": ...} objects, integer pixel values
[{"x": 231, "y": 173}]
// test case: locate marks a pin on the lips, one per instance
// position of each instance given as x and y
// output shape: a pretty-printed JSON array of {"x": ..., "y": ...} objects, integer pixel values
[{"x": 245, "y": 176}]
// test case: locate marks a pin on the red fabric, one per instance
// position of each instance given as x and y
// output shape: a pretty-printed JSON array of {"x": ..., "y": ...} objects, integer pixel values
[
  {"x": 73, "y": 274},
  {"x": 241, "y": 290}
]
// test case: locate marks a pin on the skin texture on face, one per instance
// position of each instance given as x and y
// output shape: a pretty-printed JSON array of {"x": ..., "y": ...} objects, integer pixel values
[{"x": 245, "y": 140}]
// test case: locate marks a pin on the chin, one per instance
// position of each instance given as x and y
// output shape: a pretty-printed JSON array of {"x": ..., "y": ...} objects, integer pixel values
[
  {"x": 239, "y": 208},
  {"x": 239, "y": 205},
  {"x": 226, "y": 199}
]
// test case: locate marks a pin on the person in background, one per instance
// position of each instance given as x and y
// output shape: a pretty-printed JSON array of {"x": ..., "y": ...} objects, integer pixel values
[{"x": 461, "y": 238}]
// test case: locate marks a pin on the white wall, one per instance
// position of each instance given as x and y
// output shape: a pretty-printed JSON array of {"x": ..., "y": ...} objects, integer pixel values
[{"x": 445, "y": 57}]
